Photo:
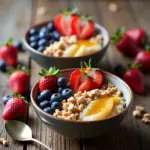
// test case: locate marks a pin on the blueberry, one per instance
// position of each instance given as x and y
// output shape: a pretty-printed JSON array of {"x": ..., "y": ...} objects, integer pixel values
[
  {"x": 60, "y": 89},
  {"x": 33, "y": 45},
  {"x": 43, "y": 29},
  {"x": 33, "y": 31},
  {"x": 66, "y": 93},
  {"x": 62, "y": 82},
  {"x": 41, "y": 49},
  {"x": 43, "y": 35},
  {"x": 2, "y": 65},
  {"x": 33, "y": 38},
  {"x": 56, "y": 35},
  {"x": 6, "y": 98},
  {"x": 44, "y": 104},
  {"x": 55, "y": 105},
  {"x": 42, "y": 42},
  {"x": 51, "y": 41},
  {"x": 56, "y": 97},
  {"x": 50, "y": 27},
  {"x": 18, "y": 44},
  {"x": 46, "y": 94},
  {"x": 48, "y": 110}
]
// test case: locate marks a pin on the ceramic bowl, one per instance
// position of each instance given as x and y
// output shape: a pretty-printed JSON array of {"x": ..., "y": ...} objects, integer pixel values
[
  {"x": 83, "y": 129},
  {"x": 67, "y": 62}
]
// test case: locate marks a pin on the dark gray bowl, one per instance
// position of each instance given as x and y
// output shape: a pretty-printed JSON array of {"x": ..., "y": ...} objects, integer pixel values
[
  {"x": 82, "y": 129},
  {"x": 68, "y": 62}
]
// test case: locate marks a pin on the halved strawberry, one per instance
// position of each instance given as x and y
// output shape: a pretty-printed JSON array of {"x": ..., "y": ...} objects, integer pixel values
[
  {"x": 64, "y": 20},
  {"x": 83, "y": 27},
  {"x": 86, "y": 78}
]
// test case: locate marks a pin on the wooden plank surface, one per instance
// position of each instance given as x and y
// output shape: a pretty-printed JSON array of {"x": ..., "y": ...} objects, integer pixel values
[
  {"x": 15, "y": 17},
  {"x": 132, "y": 135}
]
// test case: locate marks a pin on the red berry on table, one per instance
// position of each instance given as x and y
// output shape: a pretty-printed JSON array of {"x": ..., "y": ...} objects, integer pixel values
[
  {"x": 49, "y": 79},
  {"x": 19, "y": 80},
  {"x": 64, "y": 20},
  {"x": 83, "y": 27},
  {"x": 9, "y": 53},
  {"x": 143, "y": 58},
  {"x": 14, "y": 108},
  {"x": 124, "y": 43},
  {"x": 137, "y": 35},
  {"x": 86, "y": 78},
  {"x": 135, "y": 79}
]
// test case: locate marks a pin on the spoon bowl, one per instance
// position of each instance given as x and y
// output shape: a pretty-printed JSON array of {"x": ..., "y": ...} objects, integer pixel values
[
  {"x": 21, "y": 132},
  {"x": 18, "y": 130}
]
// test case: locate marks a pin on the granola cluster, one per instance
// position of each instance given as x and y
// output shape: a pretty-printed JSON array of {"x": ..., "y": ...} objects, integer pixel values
[{"x": 72, "y": 107}]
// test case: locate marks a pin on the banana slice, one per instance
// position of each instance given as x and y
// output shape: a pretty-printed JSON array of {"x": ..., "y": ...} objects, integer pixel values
[
  {"x": 81, "y": 51},
  {"x": 93, "y": 49},
  {"x": 99, "y": 109},
  {"x": 70, "y": 51}
]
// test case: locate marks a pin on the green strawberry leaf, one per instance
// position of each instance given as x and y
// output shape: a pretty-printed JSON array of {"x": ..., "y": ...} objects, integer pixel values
[
  {"x": 20, "y": 96},
  {"x": 50, "y": 72},
  {"x": 10, "y": 42},
  {"x": 147, "y": 47},
  {"x": 118, "y": 34},
  {"x": 19, "y": 68}
]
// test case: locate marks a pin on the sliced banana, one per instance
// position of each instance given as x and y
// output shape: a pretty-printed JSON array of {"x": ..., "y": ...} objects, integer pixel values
[
  {"x": 70, "y": 51},
  {"x": 99, "y": 109},
  {"x": 81, "y": 51},
  {"x": 93, "y": 49}
]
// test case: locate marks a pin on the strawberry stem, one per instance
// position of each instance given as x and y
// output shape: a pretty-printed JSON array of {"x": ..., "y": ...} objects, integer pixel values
[
  {"x": 147, "y": 47},
  {"x": 20, "y": 96},
  {"x": 52, "y": 71},
  {"x": 70, "y": 11},
  {"x": 9, "y": 42},
  {"x": 118, "y": 34},
  {"x": 21, "y": 68}
]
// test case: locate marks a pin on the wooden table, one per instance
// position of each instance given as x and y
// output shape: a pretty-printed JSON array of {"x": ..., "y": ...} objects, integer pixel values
[{"x": 17, "y": 15}]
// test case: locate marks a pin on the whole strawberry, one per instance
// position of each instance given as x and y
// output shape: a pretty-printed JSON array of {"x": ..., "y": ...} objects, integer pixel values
[
  {"x": 143, "y": 58},
  {"x": 138, "y": 35},
  {"x": 49, "y": 79},
  {"x": 124, "y": 43},
  {"x": 19, "y": 80},
  {"x": 9, "y": 53},
  {"x": 134, "y": 78},
  {"x": 14, "y": 108}
]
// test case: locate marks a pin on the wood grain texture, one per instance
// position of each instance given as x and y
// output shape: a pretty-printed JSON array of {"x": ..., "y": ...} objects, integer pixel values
[
  {"x": 15, "y": 17},
  {"x": 40, "y": 131}
]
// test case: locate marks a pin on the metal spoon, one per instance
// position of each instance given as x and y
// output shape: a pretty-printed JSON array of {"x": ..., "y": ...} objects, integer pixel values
[{"x": 21, "y": 132}]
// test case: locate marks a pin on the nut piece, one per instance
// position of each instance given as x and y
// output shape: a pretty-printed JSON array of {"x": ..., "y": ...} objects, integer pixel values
[
  {"x": 81, "y": 99},
  {"x": 140, "y": 108},
  {"x": 146, "y": 120},
  {"x": 113, "y": 7},
  {"x": 136, "y": 113},
  {"x": 41, "y": 11},
  {"x": 5, "y": 143},
  {"x": 147, "y": 115},
  {"x": 1, "y": 140}
]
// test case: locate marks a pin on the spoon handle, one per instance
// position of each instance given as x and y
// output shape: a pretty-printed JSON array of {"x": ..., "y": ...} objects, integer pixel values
[{"x": 35, "y": 140}]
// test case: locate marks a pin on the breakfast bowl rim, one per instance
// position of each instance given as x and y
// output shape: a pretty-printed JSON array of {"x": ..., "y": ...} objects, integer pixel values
[
  {"x": 75, "y": 121},
  {"x": 48, "y": 21}
]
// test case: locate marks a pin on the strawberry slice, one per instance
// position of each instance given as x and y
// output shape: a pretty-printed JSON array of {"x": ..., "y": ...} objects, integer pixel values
[
  {"x": 86, "y": 78},
  {"x": 64, "y": 20},
  {"x": 75, "y": 80},
  {"x": 83, "y": 27},
  {"x": 85, "y": 85}
]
